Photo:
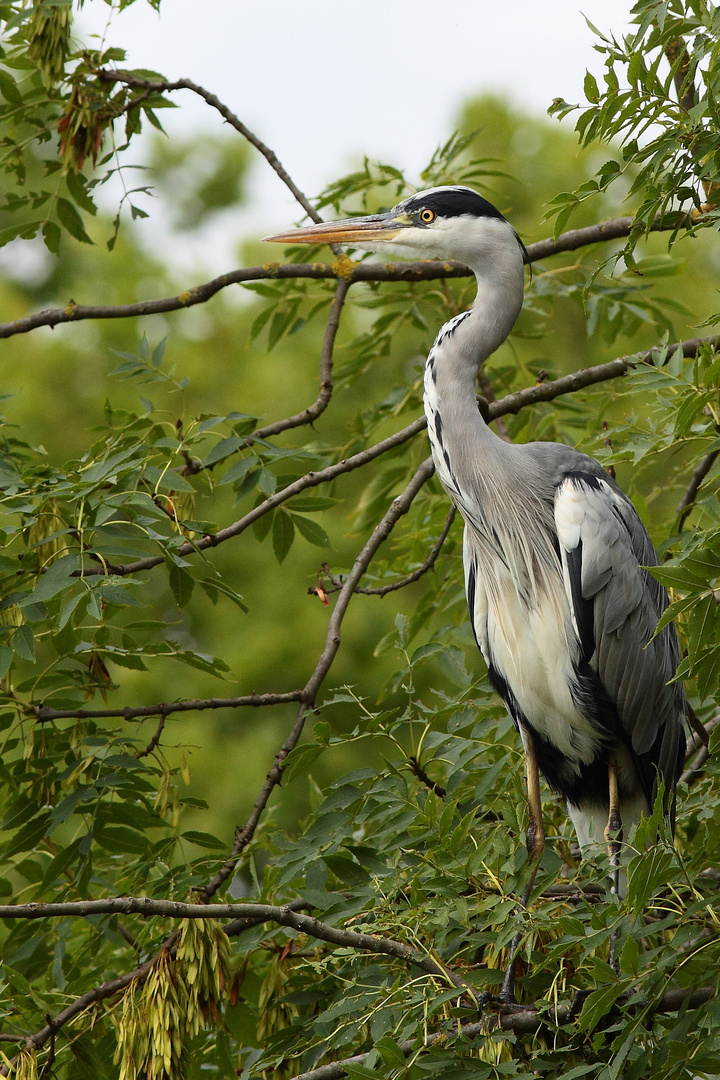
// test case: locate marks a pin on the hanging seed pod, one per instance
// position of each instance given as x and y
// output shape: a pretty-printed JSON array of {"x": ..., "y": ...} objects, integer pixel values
[
  {"x": 43, "y": 532},
  {"x": 49, "y": 37},
  {"x": 88, "y": 115},
  {"x": 204, "y": 953},
  {"x": 184, "y": 510},
  {"x": 25, "y": 1066},
  {"x": 172, "y": 1006}
]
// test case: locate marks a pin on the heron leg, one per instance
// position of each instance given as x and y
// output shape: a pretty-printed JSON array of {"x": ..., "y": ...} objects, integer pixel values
[
  {"x": 535, "y": 841},
  {"x": 613, "y": 829},
  {"x": 613, "y": 839},
  {"x": 535, "y": 836}
]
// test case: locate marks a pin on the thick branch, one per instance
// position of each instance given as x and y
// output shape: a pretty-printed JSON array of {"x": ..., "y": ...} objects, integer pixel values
[
  {"x": 312, "y": 479},
  {"x": 527, "y": 1022},
  {"x": 428, "y": 270},
  {"x": 283, "y": 916}
]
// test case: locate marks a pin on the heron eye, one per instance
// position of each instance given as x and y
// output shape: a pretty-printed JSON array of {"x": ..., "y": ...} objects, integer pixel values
[{"x": 427, "y": 216}]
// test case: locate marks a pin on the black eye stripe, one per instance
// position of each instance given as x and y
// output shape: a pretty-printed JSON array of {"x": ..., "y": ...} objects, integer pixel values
[{"x": 448, "y": 202}]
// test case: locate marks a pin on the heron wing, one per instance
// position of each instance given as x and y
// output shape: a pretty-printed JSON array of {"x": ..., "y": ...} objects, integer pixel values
[{"x": 616, "y": 604}]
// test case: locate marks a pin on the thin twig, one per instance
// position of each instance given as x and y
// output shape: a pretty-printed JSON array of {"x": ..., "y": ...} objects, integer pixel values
[
  {"x": 417, "y": 770},
  {"x": 383, "y": 590},
  {"x": 161, "y": 86},
  {"x": 44, "y": 713},
  {"x": 152, "y": 745},
  {"x": 312, "y": 412},
  {"x": 699, "y": 473},
  {"x": 427, "y": 270}
]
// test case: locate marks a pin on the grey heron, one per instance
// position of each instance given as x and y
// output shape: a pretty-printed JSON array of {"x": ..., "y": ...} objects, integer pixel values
[{"x": 554, "y": 553}]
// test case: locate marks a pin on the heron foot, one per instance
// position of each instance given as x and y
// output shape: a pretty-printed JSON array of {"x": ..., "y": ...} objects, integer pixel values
[{"x": 535, "y": 839}]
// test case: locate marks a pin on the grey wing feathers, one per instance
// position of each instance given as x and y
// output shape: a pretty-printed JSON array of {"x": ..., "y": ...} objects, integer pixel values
[{"x": 616, "y": 605}]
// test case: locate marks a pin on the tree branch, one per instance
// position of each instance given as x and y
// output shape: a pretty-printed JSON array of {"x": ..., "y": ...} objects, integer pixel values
[
  {"x": 397, "y": 508},
  {"x": 700, "y": 739},
  {"x": 427, "y": 270},
  {"x": 282, "y": 916},
  {"x": 162, "y": 86},
  {"x": 383, "y": 590},
  {"x": 699, "y": 473},
  {"x": 79, "y": 1005},
  {"x": 312, "y": 412},
  {"x": 312, "y": 479},
  {"x": 44, "y": 713},
  {"x": 526, "y": 1022},
  {"x": 154, "y": 742},
  {"x": 512, "y": 403}
]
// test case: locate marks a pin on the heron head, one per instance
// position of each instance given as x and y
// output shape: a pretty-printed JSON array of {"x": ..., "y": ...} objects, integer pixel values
[{"x": 442, "y": 222}]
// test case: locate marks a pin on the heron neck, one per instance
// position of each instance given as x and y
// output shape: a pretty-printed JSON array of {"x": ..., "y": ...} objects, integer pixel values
[{"x": 466, "y": 341}]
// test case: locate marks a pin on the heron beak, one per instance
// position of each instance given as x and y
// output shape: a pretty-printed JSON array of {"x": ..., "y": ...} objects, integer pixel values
[{"x": 352, "y": 230}]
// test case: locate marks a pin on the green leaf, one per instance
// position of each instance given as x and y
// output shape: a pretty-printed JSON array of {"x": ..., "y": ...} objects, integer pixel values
[
  {"x": 223, "y": 449},
  {"x": 6, "y": 657},
  {"x": 283, "y": 534},
  {"x": 181, "y": 583},
  {"x": 77, "y": 186},
  {"x": 213, "y": 586},
  {"x": 26, "y": 230},
  {"x": 72, "y": 221},
  {"x": 9, "y": 88},
  {"x": 312, "y": 532},
  {"x": 203, "y": 839},
  {"x": 590, "y": 87},
  {"x": 598, "y": 1004},
  {"x": 23, "y": 643},
  {"x": 51, "y": 235},
  {"x": 56, "y": 578},
  {"x": 238, "y": 470},
  {"x": 346, "y": 870}
]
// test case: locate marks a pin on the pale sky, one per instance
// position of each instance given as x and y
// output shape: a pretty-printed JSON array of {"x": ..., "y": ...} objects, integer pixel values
[{"x": 323, "y": 81}]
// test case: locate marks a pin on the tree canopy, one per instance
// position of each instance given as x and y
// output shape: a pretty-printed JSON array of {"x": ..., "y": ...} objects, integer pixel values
[{"x": 261, "y": 813}]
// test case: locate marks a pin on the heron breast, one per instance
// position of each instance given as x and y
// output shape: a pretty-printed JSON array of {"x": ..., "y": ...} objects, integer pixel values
[{"x": 533, "y": 647}]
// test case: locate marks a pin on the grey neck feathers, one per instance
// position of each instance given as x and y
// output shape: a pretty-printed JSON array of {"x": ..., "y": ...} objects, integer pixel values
[{"x": 466, "y": 341}]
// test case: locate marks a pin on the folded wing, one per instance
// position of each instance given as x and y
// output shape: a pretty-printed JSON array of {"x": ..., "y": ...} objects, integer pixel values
[{"x": 616, "y": 604}]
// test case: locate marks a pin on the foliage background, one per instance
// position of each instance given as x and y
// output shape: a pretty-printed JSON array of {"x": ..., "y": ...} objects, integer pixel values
[{"x": 401, "y": 810}]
